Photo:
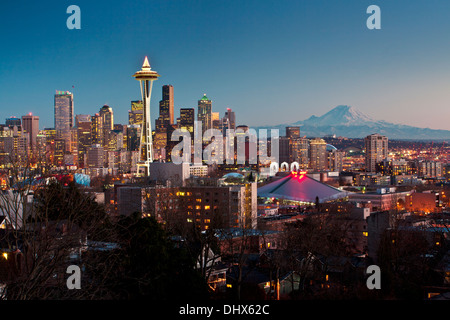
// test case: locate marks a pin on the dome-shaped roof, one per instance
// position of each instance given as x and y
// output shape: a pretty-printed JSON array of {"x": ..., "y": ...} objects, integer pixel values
[{"x": 331, "y": 147}]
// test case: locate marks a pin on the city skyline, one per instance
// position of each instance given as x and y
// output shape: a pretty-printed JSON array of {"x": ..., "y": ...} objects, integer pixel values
[
  {"x": 323, "y": 55},
  {"x": 225, "y": 151}
]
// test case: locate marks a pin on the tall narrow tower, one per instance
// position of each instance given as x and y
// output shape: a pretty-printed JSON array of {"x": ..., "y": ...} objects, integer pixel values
[{"x": 146, "y": 76}]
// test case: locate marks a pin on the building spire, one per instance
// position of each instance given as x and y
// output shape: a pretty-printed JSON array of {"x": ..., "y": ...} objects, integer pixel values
[{"x": 146, "y": 63}]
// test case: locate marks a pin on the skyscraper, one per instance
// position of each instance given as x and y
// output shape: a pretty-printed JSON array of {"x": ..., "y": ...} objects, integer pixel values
[
  {"x": 83, "y": 123},
  {"x": 298, "y": 147},
  {"x": 293, "y": 132},
  {"x": 97, "y": 129},
  {"x": 132, "y": 142},
  {"x": 166, "y": 112},
  {"x": 283, "y": 144},
  {"x": 228, "y": 121},
  {"x": 299, "y": 151},
  {"x": 146, "y": 76},
  {"x": 107, "y": 115},
  {"x": 205, "y": 113},
  {"x": 318, "y": 160},
  {"x": 187, "y": 118},
  {"x": 13, "y": 121},
  {"x": 136, "y": 113},
  {"x": 376, "y": 149},
  {"x": 64, "y": 116},
  {"x": 215, "y": 121},
  {"x": 335, "y": 158},
  {"x": 30, "y": 124},
  {"x": 82, "y": 118},
  {"x": 164, "y": 123}
]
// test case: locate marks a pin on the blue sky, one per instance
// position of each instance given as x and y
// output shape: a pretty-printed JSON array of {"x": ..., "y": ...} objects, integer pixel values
[{"x": 272, "y": 62}]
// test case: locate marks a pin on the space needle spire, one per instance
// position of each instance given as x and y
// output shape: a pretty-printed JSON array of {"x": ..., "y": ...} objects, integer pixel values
[{"x": 146, "y": 76}]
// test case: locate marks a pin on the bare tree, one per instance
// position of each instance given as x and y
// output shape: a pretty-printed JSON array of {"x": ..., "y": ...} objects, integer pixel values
[
  {"x": 306, "y": 241},
  {"x": 48, "y": 226}
]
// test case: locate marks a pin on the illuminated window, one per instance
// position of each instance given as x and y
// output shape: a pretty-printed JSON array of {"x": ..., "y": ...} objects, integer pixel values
[
  {"x": 198, "y": 200},
  {"x": 365, "y": 234},
  {"x": 207, "y": 220},
  {"x": 189, "y": 220},
  {"x": 207, "y": 207},
  {"x": 198, "y": 207}
]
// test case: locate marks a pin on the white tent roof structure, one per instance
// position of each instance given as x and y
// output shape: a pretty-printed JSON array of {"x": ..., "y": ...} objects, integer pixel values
[{"x": 299, "y": 187}]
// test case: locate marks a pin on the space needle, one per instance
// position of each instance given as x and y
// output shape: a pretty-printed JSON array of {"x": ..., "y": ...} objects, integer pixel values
[{"x": 145, "y": 76}]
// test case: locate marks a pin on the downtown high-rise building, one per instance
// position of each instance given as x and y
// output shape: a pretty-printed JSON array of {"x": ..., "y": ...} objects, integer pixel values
[
  {"x": 136, "y": 113},
  {"x": 298, "y": 147},
  {"x": 228, "y": 121},
  {"x": 97, "y": 129},
  {"x": 335, "y": 158},
  {"x": 293, "y": 132},
  {"x": 204, "y": 114},
  {"x": 82, "y": 118},
  {"x": 30, "y": 124},
  {"x": 41, "y": 153},
  {"x": 318, "y": 160},
  {"x": 83, "y": 124},
  {"x": 299, "y": 151},
  {"x": 12, "y": 121},
  {"x": 50, "y": 137},
  {"x": 132, "y": 137},
  {"x": 187, "y": 118},
  {"x": 376, "y": 150},
  {"x": 166, "y": 105},
  {"x": 284, "y": 150},
  {"x": 215, "y": 121},
  {"x": 107, "y": 115},
  {"x": 164, "y": 123},
  {"x": 64, "y": 117}
]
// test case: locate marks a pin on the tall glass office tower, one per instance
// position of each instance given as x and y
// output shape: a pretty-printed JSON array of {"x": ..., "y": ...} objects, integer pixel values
[{"x": 64, "y": 117}]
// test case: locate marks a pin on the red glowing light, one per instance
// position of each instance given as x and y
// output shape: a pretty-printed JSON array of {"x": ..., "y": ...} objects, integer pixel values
[{"x": 298, "y": 174}]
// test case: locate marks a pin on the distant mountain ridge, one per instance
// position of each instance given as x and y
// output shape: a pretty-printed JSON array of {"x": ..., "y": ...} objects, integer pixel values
[{"x": 349, "y": 122}]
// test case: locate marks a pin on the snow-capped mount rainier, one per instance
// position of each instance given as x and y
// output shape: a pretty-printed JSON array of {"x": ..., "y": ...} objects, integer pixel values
[
  {"x": 341, "y": 115},
  {"x": 349, "y": 122}
]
